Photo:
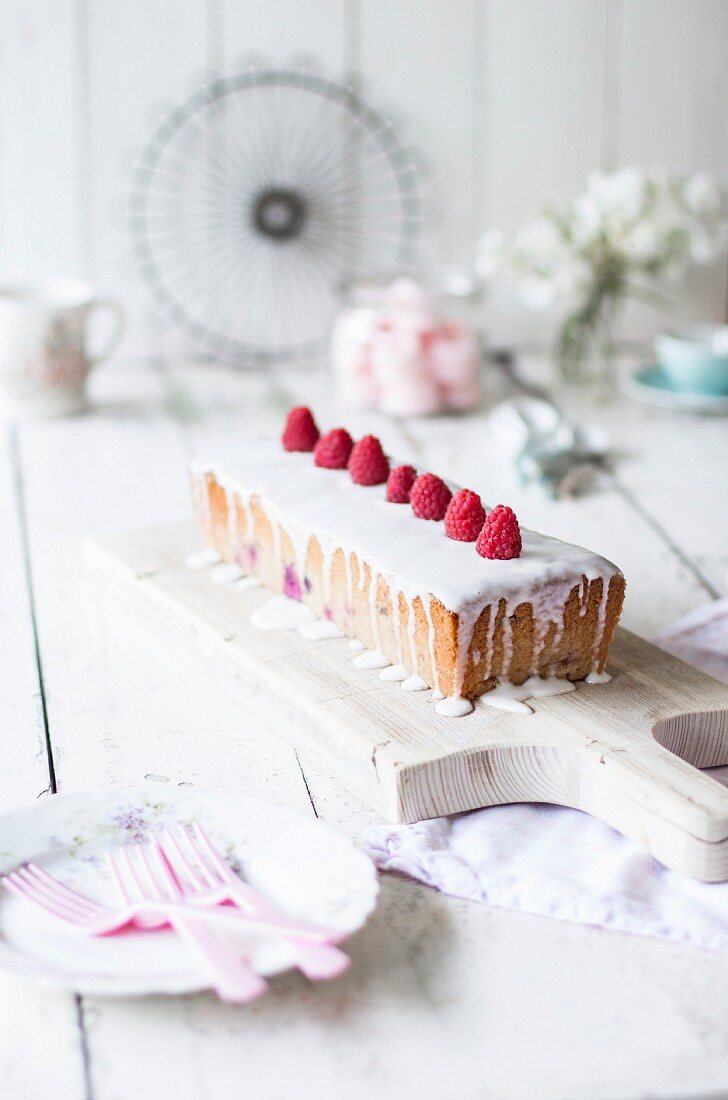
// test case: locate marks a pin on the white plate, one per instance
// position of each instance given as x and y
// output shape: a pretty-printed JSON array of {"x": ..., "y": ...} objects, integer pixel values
[{"x": 308, "y": 868}]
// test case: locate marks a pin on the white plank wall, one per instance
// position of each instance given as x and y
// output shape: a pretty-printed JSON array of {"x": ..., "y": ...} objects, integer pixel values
[{"x": 512, "y": 103}]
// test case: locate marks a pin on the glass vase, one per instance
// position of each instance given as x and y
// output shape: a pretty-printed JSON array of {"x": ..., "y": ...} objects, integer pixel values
[{"x": 585, "y": 351}]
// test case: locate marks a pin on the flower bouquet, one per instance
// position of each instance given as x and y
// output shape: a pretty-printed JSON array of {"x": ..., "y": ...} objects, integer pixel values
[{"x": 625, "y": 231}]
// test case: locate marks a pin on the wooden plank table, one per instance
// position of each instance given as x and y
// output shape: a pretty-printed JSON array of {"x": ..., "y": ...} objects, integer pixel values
[{"x": 445, "y": 998}]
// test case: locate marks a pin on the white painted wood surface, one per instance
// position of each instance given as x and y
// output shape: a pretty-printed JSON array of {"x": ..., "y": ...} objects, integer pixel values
[
  {"x": 444, "y": 996},
  {"x": 512, "y": 102}
]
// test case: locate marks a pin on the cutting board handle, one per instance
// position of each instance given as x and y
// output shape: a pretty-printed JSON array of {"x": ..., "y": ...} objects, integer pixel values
[{"x": 665, "y": 803}]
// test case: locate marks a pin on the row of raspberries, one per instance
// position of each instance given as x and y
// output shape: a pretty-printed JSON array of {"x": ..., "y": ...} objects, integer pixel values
[{"x": 496, "y": 534}]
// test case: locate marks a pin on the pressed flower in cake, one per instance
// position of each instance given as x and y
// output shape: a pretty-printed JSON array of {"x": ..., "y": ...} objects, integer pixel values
[{"x": 457, "y": 594}]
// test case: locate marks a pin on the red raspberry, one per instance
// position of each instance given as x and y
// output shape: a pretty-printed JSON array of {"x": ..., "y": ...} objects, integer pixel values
[
  {"x": 300, "y": 432},
  {"x": 333, "y": 449},
  {"x": 399, "y": 483},
  {"x": 430, "y": 497},
  {"x": 501, "y": 535},
  {"x": 368, "y": 463},
  {"x": 465, "y": 516}
]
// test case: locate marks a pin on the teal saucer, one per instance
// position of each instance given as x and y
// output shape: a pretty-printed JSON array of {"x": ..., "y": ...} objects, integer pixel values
[{"x": 649, "y": 383}]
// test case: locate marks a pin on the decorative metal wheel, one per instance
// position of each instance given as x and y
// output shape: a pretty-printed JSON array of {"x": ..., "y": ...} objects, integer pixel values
[{"x": 257, "y": 199}]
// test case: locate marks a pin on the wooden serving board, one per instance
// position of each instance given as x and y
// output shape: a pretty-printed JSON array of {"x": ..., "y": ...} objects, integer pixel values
[{"x": 627, "y": 752}]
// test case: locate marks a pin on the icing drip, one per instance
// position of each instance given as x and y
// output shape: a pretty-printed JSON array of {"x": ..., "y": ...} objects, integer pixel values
[
  {"x": 248, "y": 582},
  {"x": 225, "y": 572},
  {"x": 373, "y": 609},
  {"x": 507, "y": 645},
  {"x": 454, "y": 707},
  {"x": 601, "y": 624},
  {"x": 431, "y": 642},
  {"x": 319, "y": 630},
  {"x": 356, "y": 644},
  {"x": 437, "y": 694},
  {"x": 511, "y": 697},
  {"x": 200, "y": 559},
  {"x": 394, "y": 674},
  {"x": 597, "y": 678},
  {"x": 490, "y": 641},
  {"x": 411, "y": 633},
  {"x": 414, "y": 683},
  {"x": 232, "y": 523},
  {"x": 371, "y": 658},
  {"x": 280, "y": 613}
]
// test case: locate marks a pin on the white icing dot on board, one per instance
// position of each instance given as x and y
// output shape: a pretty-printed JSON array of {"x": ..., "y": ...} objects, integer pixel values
[
  {"x": 356, "y": 645},
  {"x": 597, "y": 678},
  {"x": 394, "y": 674},
  {"x": 319, "y": 630},
  {"x": 225, "y": 572},
  {"x": 414, "y": 683},
  {"x": 280, "y": 613},
  {"x": 200, "y": 559},
  {"x": 248, "y": 582},
  {"x": 371, "y": 658},
  {"x": 512, "y": 697},
  {"x": 454, "y": 707}
]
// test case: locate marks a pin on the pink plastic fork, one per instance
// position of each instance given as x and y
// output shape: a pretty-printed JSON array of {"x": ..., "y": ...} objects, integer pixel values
[
  {"x": 154, "y": 881},
  {"x": 207, "y": 880},
  {"x": 35, "y": 885}
]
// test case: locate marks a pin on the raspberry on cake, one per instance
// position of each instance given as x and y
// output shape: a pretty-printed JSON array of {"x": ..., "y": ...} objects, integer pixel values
[
  {"x": 368, "y": 464},
  {"x": 430, "y": 497},
  {"x": 333, "y": 449},
  {"x": 300, "y": 432},
  {"x": 465, "y": 516},
  {"x": 460, "y": 621},
  {"x": 399, "y": 484},
  {"x": 501, "y": 535}
]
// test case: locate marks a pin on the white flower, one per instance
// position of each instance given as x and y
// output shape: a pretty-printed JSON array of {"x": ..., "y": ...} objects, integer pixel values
[
  {"x": 586, "y": 219},
  {"x": 644, "y": 242},
  {"x": 702, "y": 195},
  {"x": 622, "y": 193},
  {"x": 703, "y": 248},
  {"x": 626, "y": 224},
  {"x": 490, "y": 252},
  {"x": 539, "y": 238},
  {"x": 538, "y": 293}
]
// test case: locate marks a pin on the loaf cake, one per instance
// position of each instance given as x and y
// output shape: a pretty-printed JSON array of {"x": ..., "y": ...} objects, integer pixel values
[{"x": 461, "y": 623}]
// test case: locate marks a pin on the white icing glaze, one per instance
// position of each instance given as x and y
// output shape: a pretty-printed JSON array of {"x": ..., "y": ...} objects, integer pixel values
[
  {"x": 597, "y": 678},
  {"x": 437, "y": 694},
  {"x": 248, "y": 582},
  {"x": 356, "y": 644},
  {"x": 394, "y": 674},
  {"x": 391, "y": 540},
  {"x": 414, "y": 557},
  {"x": 200, "y": 559},
  {"x": 320, "y": 629},
  {"x": 280, "y": 613},
  {"x": 414, "y": 683},
  {"x": 225, "y": 572},
  {"x": 371, "y": 658},
  {"x": 454, "y": 707}
]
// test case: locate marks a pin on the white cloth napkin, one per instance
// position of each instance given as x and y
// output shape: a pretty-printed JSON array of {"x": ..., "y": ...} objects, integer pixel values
[{"x": 563, "y": 863}]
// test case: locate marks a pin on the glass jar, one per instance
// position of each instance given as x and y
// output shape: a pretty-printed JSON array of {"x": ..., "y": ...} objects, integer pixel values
[{"x": 406, "y": 347}]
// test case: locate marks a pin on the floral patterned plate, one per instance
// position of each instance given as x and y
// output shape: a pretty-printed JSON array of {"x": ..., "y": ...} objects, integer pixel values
[{"x": 305, "y": 866}]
